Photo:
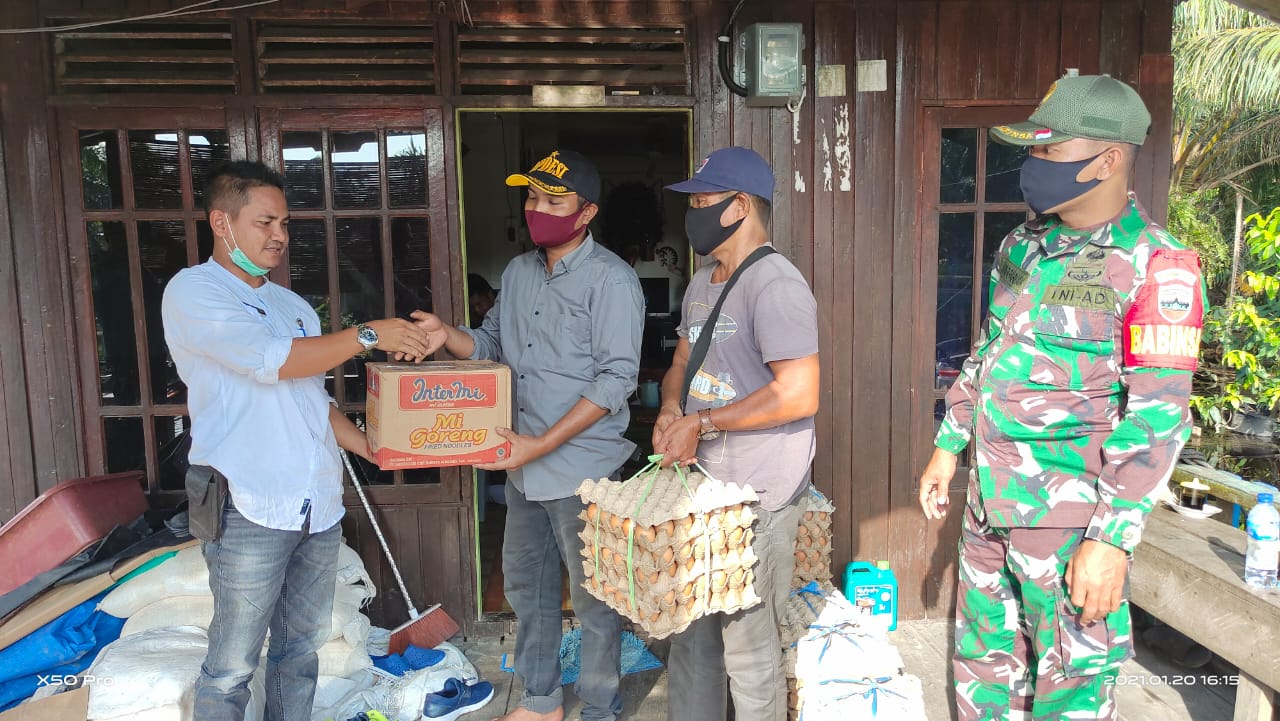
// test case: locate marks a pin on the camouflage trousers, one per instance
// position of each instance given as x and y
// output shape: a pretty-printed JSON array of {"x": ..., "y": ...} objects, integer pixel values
[{"x": 1020, "y": 651}]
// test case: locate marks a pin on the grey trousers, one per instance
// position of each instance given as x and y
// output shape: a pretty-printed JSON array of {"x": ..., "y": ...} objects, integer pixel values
[
  {"x": 744, "y": 646},
  {"x": 540, "y": 535}
]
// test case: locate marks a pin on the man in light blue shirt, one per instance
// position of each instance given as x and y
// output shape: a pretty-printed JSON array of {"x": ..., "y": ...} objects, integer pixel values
[
  {"x": 568, "y": 323},
  {"x": 263, "y": 429}
]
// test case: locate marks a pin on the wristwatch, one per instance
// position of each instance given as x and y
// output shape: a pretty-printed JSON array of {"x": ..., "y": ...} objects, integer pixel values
[
  {"x": 367, "y": 336},
  {"x": 706, "y": 428}
]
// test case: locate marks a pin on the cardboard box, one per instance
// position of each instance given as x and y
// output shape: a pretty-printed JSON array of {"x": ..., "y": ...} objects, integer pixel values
[{"x": 422, "y": 415}]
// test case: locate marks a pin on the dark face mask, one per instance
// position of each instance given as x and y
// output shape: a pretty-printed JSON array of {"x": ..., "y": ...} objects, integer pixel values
[
  {"x": 702, "y": 225},
  {"x": 1046, "y": 184}
]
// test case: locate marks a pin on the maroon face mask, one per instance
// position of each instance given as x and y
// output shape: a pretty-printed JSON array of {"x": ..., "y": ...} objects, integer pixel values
[{"x": 548, "y": 231}]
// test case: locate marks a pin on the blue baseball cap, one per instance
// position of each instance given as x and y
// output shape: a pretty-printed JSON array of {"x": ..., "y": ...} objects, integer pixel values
[{"x": 735, "y": 168}]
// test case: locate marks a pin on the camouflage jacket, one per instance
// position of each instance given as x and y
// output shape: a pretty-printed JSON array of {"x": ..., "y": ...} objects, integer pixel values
[{"x": 1076, "y": 391}]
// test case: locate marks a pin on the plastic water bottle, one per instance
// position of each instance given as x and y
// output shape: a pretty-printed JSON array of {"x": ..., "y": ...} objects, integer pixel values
[{"x": 1263, "y": 554}]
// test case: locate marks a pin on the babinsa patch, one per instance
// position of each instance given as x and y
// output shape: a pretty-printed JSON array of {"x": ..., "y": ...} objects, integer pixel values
[{"x": 1163, "y": 326}]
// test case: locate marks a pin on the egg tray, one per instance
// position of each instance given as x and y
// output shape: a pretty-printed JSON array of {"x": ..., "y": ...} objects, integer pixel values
[
  {"x": 813, "y": 540},
  {"x": 661, "y": 568}
]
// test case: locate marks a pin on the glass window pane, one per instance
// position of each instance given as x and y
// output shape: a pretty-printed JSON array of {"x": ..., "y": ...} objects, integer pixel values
[
  {"x": 162, "y": 247},
  {"x": 360, "y": 281},
  {"x": 1004, "y": 173},
  {"x": 355, "y": 169},
  {"x": 100, "y": 169},
  {"x": 303, "y": 169},
  {"x": 113, "y": 313},
  {"x": 126, "y": 449},
  {"x": 959, "y": 165},
  {"x": 204, "y": 240},
  {"x": 153, "y": 156},
  {"x": 309, "y": 265},
  {"x": 421, "y": 476},
  {"x": 407, "y": 168},
  {"x": 410, "y": 261},
  {"x": 209, "y": 149},
  {"x": 173, "y": 442},
  {"x": 955, "y": 294},
  {"x": 995, "y": 227}
]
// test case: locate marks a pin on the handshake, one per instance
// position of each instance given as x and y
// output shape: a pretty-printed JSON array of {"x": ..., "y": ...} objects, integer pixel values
[{"x": 412, "y": 340}]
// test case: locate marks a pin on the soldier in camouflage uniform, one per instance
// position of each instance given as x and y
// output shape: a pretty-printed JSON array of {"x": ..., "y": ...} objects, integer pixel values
[{"x": 1075, "y": 398}]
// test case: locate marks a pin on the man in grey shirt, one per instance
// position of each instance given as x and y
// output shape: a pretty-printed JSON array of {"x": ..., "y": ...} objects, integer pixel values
[
  {"x": 747, "y": 415},
  {"x": 568, "y": 323}
]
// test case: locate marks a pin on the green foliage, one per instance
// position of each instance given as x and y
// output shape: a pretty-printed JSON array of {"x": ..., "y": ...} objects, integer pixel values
[
  {"x": 1240, "y": 350},
  {"x": 1226, "y": 96},
  {"x": 1193, "y": 221}
]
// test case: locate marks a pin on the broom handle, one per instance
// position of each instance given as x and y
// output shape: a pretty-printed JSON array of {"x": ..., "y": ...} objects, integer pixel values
[{"x": 373, "y": 520}]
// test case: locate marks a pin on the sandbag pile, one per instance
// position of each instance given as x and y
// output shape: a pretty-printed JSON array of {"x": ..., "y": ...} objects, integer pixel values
[
  {"x": 813, "y": 539},
  {"x": 665, "y": 548},
  {"x": 164, "y": 640}
]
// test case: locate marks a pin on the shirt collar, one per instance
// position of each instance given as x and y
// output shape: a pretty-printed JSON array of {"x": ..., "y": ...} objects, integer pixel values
[
  {"x": 1057, "y": 238},
  {"x": 573, "y": 260}
]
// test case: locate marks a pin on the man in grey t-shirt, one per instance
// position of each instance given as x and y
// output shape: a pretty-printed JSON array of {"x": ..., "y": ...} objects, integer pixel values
[{"x": 748, "y": 419}]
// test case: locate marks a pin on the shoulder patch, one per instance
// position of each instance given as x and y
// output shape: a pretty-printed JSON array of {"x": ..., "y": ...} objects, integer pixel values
[{"x": 1162, "y": 328}]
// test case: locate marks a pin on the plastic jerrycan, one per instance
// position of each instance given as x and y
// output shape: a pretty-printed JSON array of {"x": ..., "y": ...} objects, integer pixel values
[{"x": 873, "y": 589}]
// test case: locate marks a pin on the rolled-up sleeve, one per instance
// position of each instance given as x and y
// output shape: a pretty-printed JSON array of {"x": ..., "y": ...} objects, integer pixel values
[
  {"x": 205, "y": 320},
  {"x": 617, "y": 326}
]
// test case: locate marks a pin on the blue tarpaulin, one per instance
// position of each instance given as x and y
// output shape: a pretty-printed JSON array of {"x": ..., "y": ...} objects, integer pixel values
[
  {"x": 636, "y": 657},
  {"x": 65, "y": 646}
]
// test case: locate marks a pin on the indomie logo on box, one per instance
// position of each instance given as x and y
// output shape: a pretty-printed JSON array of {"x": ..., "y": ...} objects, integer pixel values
[{"x": 436, "y": 390}]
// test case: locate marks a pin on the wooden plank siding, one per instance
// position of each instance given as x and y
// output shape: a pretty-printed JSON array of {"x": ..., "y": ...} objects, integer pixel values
[{"x": 861, "y": 238}]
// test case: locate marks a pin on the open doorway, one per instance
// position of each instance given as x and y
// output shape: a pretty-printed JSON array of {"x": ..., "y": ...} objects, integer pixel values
[{"x": 637, "y": 153}]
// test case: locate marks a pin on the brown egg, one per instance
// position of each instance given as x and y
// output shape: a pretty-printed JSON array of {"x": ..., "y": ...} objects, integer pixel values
[
  {"x": 689, "y": 564},
  {"x": 808, "y": 515},
  {"x": 669, "y": 599},
  {"x": 668, "y": 556},
  {"x": 615, "y": 522},
  {"x": 606, "y": 554},
  {"x": 653, "y": 577},
  {"x": 671, "y": 570},
  {"x": 800, "y": 556},
  {"x": 653, "y": 617},
  {"x": 592, "y": 511},
  {"x": 649, "y": 534},
  {"x": 736, "y": 576},
  {"x": 824, "y": 541},
  {"x": 802, "y": 531},
  {"x": 718, "y": 580},
  {"x": 628, "y": 526}
]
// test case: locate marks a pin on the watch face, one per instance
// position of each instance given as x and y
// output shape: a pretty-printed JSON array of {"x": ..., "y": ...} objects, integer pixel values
[{"x": 367, "y": 336}]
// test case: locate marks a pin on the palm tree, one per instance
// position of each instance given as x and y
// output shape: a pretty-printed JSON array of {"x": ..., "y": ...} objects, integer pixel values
[{"x": 1226, "y": 96}]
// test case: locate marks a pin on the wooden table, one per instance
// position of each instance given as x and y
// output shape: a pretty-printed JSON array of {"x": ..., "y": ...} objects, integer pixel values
[
  {"x": 1190, "y": 574},
  {"x": 1227, "y": 486}
]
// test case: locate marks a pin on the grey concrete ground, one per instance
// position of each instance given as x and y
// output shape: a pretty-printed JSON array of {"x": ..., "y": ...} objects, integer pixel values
[{"x": 1152, "y": 688}]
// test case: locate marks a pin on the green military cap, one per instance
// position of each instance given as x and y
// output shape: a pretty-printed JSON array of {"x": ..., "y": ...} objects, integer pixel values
[{"x": 1098, "y": 107}]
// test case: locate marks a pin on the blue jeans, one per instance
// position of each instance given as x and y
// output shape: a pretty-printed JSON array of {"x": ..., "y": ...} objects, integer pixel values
[
  {"x": 740, "y": 651},
  {"x": 264, "y": 578},
  {"x": 539, "y": 536}
]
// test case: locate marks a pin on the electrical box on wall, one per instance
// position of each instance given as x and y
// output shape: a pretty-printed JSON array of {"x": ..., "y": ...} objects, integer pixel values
[{"x": 774, "y": 60}]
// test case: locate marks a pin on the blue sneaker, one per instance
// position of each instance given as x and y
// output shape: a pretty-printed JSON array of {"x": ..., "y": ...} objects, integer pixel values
[
  {"x": 393, "y": 664},
  {"x": 456, "y": 698},
  {"x": 419, "y": 658}
]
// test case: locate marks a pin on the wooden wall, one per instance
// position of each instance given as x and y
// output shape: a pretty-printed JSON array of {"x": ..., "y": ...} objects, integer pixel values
[
  {"x": 847, "y": 212},
  {"x": 857, "y": 238}
]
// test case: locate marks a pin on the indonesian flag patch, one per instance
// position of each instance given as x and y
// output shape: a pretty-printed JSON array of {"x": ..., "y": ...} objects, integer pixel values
[
  {"x": 1044, "y": 134},
  {"x": 1162, "y": 328}
]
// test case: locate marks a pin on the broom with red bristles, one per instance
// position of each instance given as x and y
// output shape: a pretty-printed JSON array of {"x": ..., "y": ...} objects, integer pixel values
[{"x": 425, "y": 630}]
